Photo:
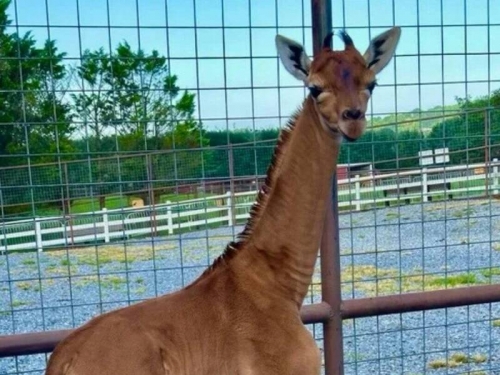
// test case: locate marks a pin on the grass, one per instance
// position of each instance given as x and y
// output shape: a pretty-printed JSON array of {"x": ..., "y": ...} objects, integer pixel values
[
  {"x": 60, "y": 270},
  {"x": 459, "y": 358},
  {"x": 112, "y": 282},
  {"x": 465, "y": 212},
  {"x": 48, "y": 282},
  {"x": 112, "y": 202},
  {"x": 454, "y": 280},
  {"x": 479, "y": 358},
  {"x": 109, "y": 253},
  {"x": 140, "y": 290},
  {"x": 391, "y": 215},
  {"x": 490, "y": 272},
  {"x": 29, "y": 262},
  {"x": 85, "y": 280},
  {"x": 65, "y": 262},
  {"x": 372, "y": 281},
  {"x": 366, "y": 272},
  {"x": 378, "y": 195},
  {"x": 18, "y": 303},
  {"x": 108, "y": 281},
  {"x": 456, "y": 360},
  {"x": 25, "y": 285},
  {"x": 183, "y": 197},
  {"x": 440, "y": 363}
]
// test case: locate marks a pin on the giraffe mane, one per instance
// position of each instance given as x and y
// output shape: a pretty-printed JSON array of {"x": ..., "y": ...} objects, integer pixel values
[{"x": 262, "y": 196}]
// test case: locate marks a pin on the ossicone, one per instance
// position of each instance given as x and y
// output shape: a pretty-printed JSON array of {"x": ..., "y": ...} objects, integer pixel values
[
  {"x": 327, "y": 42},
  {"x": 348, "y": 43}
]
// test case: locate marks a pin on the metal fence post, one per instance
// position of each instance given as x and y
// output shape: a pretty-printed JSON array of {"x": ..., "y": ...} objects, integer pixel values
[
  {"x": 38, "y": 235},
  {"x": 321, "y": 11},
  {"x": 170, "y": 219},
  {"x": 425, "y": 188},
  {"x": 357, "y": 185},
  {"x": 495, "y": 176},
  {"x": 229, "y": 205},
  {"x": 331, "y": 287},
  {"x": 105, "y": 223}
]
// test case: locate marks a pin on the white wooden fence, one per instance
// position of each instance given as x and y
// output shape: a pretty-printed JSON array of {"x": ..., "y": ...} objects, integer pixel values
[{"x": 355, "y": 193}]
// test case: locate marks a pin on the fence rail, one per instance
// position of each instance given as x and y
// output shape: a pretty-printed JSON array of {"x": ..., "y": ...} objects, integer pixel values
[{"x": 354, "y": 194}]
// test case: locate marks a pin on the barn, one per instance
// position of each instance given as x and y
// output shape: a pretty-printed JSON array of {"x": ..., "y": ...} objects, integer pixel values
[{"x": 346, "y": 171}]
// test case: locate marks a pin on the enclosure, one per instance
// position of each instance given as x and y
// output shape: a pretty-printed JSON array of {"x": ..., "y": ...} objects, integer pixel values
[{"x": 134, "y": 135}]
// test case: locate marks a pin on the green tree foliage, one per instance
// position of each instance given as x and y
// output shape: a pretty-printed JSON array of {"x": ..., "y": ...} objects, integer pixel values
[
  {"x": 466, "y": 135},
  {"x": 34, "y": 116},
  {"x": 35, "y": 119},
  {"x": 248, "y": 153},
  {"x": 385, "y": 148},
  {"x": 128, "y": 103},
  {"x": 134, "y": 94}
]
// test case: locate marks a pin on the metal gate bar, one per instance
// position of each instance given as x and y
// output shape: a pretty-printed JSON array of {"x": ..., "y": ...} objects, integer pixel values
[{"x": 44, "y": 342}]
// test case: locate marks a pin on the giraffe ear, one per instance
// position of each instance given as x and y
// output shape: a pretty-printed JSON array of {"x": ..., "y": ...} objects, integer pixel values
[
  {"x": 381, "y": 49},
  {"x": 293, "y": 57}
]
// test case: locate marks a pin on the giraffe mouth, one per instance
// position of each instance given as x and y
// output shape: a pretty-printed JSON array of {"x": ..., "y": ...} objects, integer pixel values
[
  {"x": 351, "y": 130},
  {"x": 335, "y": 129},
  {"x": 347, "y": 138}
]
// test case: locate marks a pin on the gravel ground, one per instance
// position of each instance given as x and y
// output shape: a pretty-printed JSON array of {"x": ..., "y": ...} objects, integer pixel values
[{"x": 459, "y": 238}]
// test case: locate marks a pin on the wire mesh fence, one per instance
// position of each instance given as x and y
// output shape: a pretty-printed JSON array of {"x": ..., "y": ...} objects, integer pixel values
[{"x": 135, "y": 134}]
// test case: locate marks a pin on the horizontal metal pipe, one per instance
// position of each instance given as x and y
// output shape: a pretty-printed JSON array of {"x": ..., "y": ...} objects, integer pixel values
[
  {"x": 31, "y": 343},
  {"x": 419, "y": 301},
  {"x": 45, "y": 342},
  {"x": 317, "y": 313}
]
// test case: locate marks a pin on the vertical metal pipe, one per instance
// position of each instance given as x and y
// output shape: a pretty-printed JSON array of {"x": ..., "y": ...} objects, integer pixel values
[
  {"x": 331, "y": 287},
  {"x": 321, "y": 11},
  {"x": 231, "y": 182},
  {"x": 330, "y": 255},
  {"x": 487, "y": 161}
]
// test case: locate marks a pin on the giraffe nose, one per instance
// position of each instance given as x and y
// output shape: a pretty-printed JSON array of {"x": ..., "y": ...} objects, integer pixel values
[{"x": 352, "y": 114}]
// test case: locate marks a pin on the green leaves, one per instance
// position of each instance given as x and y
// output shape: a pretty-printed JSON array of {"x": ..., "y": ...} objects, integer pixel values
[
  {"x": 134, "y": 93},
  {"x": 34, "y": 116}
]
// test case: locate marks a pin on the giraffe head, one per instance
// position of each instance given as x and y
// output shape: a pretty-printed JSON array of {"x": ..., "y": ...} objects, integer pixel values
[{"x": 340, "y": 81}]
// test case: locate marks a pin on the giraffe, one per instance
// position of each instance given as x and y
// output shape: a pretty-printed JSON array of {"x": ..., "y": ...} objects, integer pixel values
[{"x": 242, "y": 315}]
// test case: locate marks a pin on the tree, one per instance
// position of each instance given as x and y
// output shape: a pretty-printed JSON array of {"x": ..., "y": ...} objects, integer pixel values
[
  {"x": 135, "y": 94},
  {"x": 409, "y": 143},
  {"x": 34, "y": 116},
  {"x": 33, "y": 112},
  {"x": 465, "y": 135}
]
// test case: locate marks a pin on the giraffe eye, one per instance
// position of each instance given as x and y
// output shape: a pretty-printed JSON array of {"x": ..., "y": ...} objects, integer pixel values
[
  {"x": 315, "y": 91},
  {"x": 371, "y": 86}
]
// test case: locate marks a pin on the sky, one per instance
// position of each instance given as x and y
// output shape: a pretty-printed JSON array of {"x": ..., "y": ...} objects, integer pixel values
[{"x": 450, "y": 47}]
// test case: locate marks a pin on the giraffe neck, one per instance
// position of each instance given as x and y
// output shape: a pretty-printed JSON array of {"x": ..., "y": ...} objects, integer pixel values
[{"x": 286, "y": 236}]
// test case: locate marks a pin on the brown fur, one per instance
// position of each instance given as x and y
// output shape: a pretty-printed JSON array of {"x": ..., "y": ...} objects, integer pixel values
[
  {"x": 259, "y": 204},
  {"x": 344, "y": 87},
  {"x": 242, "y": 315}
]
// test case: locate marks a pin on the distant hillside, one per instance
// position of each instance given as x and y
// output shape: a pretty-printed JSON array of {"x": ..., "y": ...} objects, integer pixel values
[{"x": 417, "y": 118}]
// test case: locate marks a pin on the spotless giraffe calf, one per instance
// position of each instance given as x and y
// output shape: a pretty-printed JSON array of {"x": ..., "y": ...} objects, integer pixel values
[{"x": 242, "y": 315}]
